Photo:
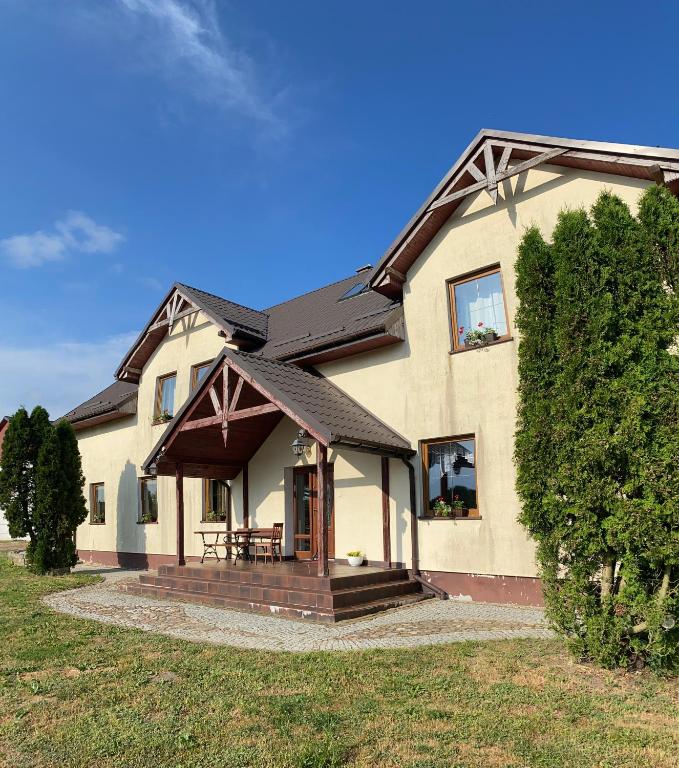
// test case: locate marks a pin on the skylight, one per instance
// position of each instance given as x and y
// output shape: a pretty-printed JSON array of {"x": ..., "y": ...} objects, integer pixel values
[{"x": 353, "y": 291}]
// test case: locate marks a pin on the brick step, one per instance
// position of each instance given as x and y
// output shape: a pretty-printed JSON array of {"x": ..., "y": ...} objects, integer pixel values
[
  {"x": 308, "y": 598},
  {"x": 270, "y": 576},
  {"x": 286, "y": 610}
]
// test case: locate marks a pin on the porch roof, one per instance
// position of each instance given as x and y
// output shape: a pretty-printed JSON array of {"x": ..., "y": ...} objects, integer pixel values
[{"x": 241, "y": 400}]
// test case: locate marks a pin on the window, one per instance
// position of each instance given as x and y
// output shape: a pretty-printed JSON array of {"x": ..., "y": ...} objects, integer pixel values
[
  {"x": 165, "y": 386},
  {"x": 216, "y": 495},
  {"x": 449, "y": 473},
  {"x": 97, "y": 504},
  {"x": 198, "y": 373},
  {"x": 355, "y": 290},
  {"x": 148, "y": 500},
  {"x": 477, "y": 307}
]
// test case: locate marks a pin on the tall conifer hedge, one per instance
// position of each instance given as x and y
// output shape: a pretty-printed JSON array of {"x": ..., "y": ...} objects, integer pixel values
[
  {"x": 41, "y": 483},
  {"x": 597, "y": 444}
]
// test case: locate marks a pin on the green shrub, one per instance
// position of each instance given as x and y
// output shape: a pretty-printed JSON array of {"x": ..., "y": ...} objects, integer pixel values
[{"x": 598, "y": 431}]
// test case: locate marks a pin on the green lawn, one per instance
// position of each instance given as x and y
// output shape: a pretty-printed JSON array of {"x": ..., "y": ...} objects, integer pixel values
[{"x": 75, "y": 693}]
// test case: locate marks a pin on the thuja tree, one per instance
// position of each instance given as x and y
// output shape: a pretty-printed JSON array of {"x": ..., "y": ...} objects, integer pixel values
[
  {"x": 41, "y": 488},
  {"x": 598, "y": 431}
]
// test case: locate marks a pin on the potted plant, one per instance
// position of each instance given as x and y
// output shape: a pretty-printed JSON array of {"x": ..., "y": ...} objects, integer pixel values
[
  {"x": 459, "y": 508},
  {"x": 164, "y": 416},
  {"x": 147, "y": 517},
  {"x": 441, "y": 508},
  {"x": 355, "y": 558},
  {"x": 479, "y": 336}
]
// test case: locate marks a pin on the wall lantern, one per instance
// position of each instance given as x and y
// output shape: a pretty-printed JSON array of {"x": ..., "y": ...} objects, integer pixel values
[{"x": 301, "y": 444}]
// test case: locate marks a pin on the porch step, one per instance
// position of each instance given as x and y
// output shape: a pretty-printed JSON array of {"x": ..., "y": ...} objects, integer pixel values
[
  {"x": 286, "y": 589},
  {"x": 285, "y": 610},
  {"x": 308, "y": 597}
]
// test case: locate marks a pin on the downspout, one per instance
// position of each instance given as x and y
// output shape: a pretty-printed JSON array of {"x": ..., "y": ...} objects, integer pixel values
[
  {"x": 413, "y": 518},
  {"x": 440, "y": 593}
]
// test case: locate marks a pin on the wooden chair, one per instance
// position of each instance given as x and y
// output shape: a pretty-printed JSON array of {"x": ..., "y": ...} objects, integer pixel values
[{"x": 271, "y": 546}]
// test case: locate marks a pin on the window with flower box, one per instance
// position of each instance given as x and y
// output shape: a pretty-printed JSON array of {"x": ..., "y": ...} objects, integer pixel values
[
  {"x": 449, "y": 475},
  {"x": 477, "y": 309},
  {"x": 164, "y": 405},
  {"x": 97, "y": 504},
  {"x": 216, "y": 501},
  {"x": 148, "y": 500}
]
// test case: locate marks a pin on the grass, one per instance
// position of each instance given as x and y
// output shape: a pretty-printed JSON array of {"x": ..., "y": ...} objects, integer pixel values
[{"x": 78, "y": 693}]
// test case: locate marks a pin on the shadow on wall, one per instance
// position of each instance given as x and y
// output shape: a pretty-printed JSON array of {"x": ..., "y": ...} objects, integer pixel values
[{"x": 130, "y": 537}]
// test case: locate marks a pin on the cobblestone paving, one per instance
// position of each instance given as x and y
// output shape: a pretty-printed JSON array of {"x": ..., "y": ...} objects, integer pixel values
[{"x": 425, "y": 623}]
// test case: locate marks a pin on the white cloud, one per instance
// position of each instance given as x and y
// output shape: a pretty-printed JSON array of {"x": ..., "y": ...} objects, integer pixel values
[
  {"x": 75, "y": 232},
  {"x": 186, "y": 39},
  {"x": 58, "y": 376}
]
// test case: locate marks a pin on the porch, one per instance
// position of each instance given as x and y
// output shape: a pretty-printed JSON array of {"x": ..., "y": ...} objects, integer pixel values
[
  {"x": 292, "y": 589},
  {"x": 234, "y": 421}
]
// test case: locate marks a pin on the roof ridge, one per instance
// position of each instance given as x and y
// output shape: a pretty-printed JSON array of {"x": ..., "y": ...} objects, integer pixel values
[
  {"x": 308, "y": 293},
  {"x": 222, "y": 298}
]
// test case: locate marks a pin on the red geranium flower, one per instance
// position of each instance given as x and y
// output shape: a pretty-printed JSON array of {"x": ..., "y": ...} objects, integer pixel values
[
  {"x": 481, "y": 325},
  {"x": 461, "y": 329}
]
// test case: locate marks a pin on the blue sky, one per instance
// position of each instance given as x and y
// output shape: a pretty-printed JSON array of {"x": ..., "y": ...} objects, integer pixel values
[{"x": 260, "y": 149}]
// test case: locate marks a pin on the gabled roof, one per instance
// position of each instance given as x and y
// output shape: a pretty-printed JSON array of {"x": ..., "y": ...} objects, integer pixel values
[
  {"x": 194, "y": 437},
  {"x": 332, "y": 414},
  {"x": 234, "y": 320},
  {"x": 234, "y": 316},
  {"x": 494, "y": 156},
  {"x": 117, "y": 400}
]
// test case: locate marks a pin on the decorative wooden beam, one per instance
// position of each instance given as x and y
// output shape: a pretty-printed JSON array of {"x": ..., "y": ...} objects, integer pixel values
[
  {"x": 179, "y": 475},
  {"x": 321, "y": 511},
  {"x": 490, "y": 171},
  {"x": 544, "y": 157},
  {"x": 208, "y": 421},
  {"x": 504, "y": 160},
  {"x": 215, "y": 401},
  {"x": 257, "y": 410},
  {"x": 474, "y": 170},
  {"x": 236, "y": 395},
  {"x": 386, "y": 517},
  {"x": 225, "y": 403}
]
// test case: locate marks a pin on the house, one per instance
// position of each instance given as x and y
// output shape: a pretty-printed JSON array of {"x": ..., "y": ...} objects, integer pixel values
[{"x": 357, "y": 414}]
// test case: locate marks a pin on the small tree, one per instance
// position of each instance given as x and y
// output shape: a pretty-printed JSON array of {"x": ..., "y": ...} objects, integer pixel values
[
  {"x": 598, "y": 430},
  {"x": 41, "y": 484},
  {"x": 16, "y": 476}
]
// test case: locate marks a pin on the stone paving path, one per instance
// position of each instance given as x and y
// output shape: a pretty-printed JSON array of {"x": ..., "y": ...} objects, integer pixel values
[{"x": 425, "y": 623}]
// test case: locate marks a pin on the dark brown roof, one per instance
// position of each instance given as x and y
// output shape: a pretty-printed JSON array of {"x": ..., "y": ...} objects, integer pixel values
[
  {"x": 337, "y": 416},
  {"x": 250, "y": 321},
  {"x": 118, "y": 399},
  {"x": 321, "y": 318}
]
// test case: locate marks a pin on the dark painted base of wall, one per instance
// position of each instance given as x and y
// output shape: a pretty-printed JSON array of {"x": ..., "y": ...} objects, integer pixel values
[
  {"x": 520, "y": 590},
  {"x": 483, "y": 588}
]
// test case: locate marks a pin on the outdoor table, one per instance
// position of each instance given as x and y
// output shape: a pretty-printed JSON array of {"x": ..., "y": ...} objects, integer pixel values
[{"x": 210, "y": 546}]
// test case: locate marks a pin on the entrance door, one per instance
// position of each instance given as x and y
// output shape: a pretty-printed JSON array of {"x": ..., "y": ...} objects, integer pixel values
[{"x": 305, "y": 508}]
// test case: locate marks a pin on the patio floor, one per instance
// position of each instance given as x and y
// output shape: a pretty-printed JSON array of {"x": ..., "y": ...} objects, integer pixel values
[{"x": 425, "y": 623}]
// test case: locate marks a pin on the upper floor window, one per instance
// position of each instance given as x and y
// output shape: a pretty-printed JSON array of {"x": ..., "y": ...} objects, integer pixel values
[
  {"x": 198, "y": 373},
  {"x": 216, "y": 501},
  {"x": 97, "y": 504},
  {"x": 477, "y": 309},
  {"x": 148, "y": 500},
  {"x": 449, "y": 473},
  {"x": 165, "y": 386}
]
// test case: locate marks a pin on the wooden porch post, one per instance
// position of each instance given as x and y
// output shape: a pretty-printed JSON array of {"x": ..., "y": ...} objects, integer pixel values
[
  {"x": 179, "y": 475},
  {"x": 246, "y": 499},
  {"x": 321, "y": 512},
  {"x": 386, "y": 518}
]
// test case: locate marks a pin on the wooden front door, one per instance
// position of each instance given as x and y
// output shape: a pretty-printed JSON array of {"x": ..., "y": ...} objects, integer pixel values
[{"x": 305, "y": 509}]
